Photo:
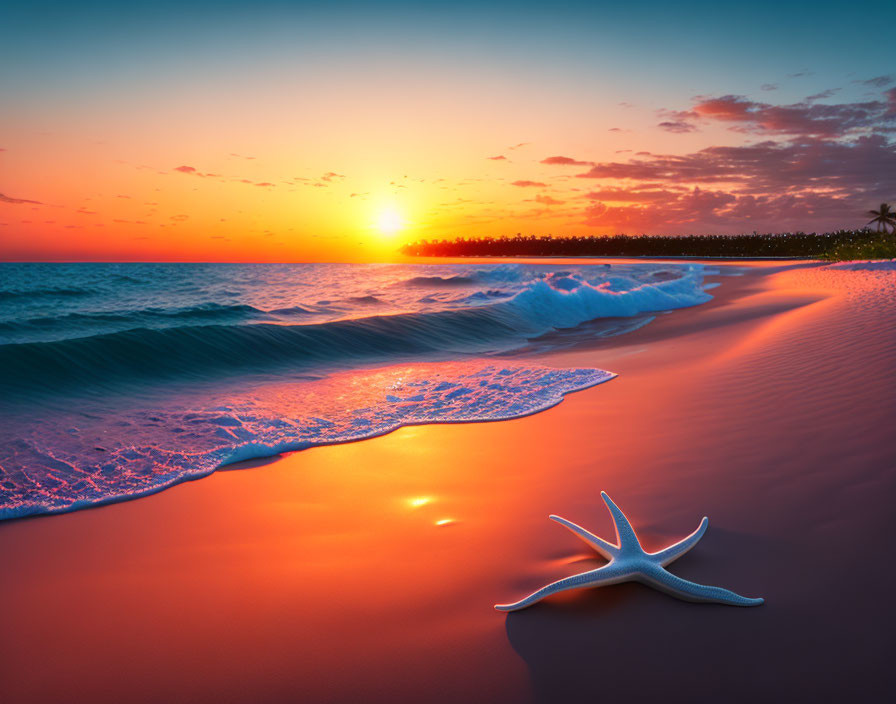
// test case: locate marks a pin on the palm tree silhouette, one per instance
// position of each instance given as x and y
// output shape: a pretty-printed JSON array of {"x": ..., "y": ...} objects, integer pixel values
[{"x": 883, "y": 217}]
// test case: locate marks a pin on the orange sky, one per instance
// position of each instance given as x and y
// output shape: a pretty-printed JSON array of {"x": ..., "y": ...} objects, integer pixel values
[{"x": 295, "y": 137}]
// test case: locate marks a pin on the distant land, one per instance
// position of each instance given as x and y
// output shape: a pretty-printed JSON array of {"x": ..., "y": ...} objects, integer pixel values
[{"x": 839, "y": 245}]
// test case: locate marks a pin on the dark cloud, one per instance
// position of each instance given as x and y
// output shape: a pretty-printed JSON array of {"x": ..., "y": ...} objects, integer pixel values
[
  {"x": 769, "y": 86},
  {"x": 879, "y": 81},
  {"x": 810, "y": 184},
  {"x": 822, "y": 95},
  {"x": 634, "y": 195},
  {"x": 704, "y": 211},
  {"x": 528, "y": 184},
  {"x": 866, "y": 163},
  {"x": 803, "y": 119},
  {"x": 18, "y": 201},
  {"x": 564, "y": 161}
]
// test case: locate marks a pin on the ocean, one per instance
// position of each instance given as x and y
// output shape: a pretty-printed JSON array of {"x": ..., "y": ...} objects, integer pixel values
[{"x": 120, "y": 380}]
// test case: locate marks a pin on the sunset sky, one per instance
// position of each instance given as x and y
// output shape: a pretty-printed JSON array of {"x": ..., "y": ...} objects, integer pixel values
[{"x": 336, "y": 131}]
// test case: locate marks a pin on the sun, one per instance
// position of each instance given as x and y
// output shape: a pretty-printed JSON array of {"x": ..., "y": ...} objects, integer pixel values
[{"x": 389, "y": 221}]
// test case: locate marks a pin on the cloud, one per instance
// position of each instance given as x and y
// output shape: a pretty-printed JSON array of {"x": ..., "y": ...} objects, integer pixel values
[
  {"x": 805, "y": 119},
  {"x": 330, "y": 176},
  {"x": 547, "y": 200},
  {"x": 822, "y": 95},
  {"x": 564, "y": 161},
  {"x": 529, "y": 184},
  {"x": 808, "y": 184},
  {"x": 868, "y": 163},
  {"x": 703, "y": 211},
  {"x": 500, "y": 157},
  {"x": 18, "y": 201},
  {"x": 633, "y": 195},
  {"x": 194, "y": 172},
  {"x": 677, "y": 126},
  {"x": 769, "y": 86},
  {"x": 879, "y": 81}
]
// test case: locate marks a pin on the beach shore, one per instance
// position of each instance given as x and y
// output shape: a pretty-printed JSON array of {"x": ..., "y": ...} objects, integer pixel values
[{"x": 368, "y": 571}]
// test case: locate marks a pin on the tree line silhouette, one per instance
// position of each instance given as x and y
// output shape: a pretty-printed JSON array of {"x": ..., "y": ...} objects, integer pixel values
[{"x": 787, "y": 244}]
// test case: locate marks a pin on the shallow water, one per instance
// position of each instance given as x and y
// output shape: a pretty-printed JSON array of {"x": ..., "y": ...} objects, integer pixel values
[{"x": 117, "y": 380}]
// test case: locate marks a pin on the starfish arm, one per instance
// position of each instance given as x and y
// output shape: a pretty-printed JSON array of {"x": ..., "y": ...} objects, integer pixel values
[
  {"x": 625, "y": 534},
  {"x": 691, "y": 591},
  {"x": 607, "y": 550},
  {"x": 673, "y": 552},
  {"x": 609, "y": 574}
]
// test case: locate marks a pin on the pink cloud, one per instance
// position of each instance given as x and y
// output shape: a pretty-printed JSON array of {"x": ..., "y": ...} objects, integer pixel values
[
  {"x": 564, "y": 161},
  {"x": 194, "y": 172},
  {"x": 529, "y": 184}
]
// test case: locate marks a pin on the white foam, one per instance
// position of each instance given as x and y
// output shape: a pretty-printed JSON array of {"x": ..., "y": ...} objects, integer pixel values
[{"x": 76, "y": 461}]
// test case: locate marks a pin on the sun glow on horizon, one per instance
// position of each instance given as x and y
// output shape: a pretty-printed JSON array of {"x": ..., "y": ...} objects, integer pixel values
[{"x": 389, "y": 221}]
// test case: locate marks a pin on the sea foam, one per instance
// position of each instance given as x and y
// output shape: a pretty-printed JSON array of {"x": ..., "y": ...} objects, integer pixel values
[{"x": 78, "y": 460}]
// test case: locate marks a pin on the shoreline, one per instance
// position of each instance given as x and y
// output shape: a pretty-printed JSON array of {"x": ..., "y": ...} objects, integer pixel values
[{"x": 326, "y": 574}]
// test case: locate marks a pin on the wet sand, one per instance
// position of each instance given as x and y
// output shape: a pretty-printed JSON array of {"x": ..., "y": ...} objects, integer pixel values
[{"x": 368, "y": 571}]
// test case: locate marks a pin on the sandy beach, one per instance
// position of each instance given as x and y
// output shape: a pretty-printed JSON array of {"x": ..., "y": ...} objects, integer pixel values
[{"x": 368, "y": 571}]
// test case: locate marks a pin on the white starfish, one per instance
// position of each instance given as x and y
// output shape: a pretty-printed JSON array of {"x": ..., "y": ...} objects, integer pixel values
[{"x": 627, "y": 562}]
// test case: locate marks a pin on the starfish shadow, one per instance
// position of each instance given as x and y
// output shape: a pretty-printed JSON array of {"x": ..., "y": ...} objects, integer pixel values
[{"x": 634, "y": 644}]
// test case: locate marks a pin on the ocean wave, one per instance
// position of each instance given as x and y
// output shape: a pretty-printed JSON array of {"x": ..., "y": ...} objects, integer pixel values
[
  {"x": 65, "y": 292},
  {"x": 202, "y": 312},
  {"x": 202, "y": 351},
  {"x": 504, "y": 273},
  {"x": 365, "y": 300},
  {"x": 439, "y": 281}
]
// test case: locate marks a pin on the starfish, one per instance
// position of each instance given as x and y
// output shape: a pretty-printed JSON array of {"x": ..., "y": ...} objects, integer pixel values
[{"x": 627, "y": 562}]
